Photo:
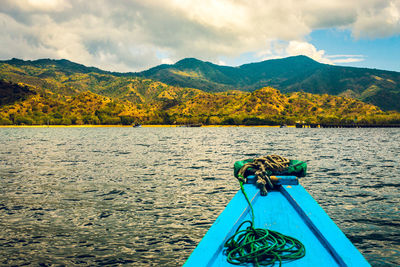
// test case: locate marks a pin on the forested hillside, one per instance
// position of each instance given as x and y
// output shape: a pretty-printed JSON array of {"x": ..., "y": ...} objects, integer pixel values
[
  {"x": 62, "y": 92},
  {"x": 292, "y": 74}
]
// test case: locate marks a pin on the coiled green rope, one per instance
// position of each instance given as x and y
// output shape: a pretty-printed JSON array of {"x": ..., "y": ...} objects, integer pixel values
[{"x": 261, "y": 246}]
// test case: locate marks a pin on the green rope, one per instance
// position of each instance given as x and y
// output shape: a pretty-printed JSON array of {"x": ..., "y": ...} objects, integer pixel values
[{"x": 261, "y": 246}]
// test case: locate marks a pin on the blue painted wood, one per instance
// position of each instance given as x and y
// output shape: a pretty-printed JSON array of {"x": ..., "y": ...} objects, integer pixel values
[
  {"x": 289, "y": 210},
  {"x": 324, "y": 228}
]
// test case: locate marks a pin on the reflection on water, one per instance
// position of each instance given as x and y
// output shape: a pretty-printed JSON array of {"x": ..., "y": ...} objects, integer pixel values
[{"x": 146, "y": 196}]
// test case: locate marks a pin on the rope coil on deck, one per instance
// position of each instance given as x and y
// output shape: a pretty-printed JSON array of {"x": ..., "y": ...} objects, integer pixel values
[{"x": 261, "y": 246}]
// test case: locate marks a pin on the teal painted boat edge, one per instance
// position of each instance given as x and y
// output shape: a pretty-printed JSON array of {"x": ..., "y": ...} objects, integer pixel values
[
  {"x": 316, "y": 219},
  {"x": 223, "y": 227},
  {"x": 345, "y": 253}
]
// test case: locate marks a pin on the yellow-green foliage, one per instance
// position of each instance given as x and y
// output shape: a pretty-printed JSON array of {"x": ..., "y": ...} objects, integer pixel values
[
  {"x": 179, "y": 105},
  {"x": 268, "y": 105},
  {"x": 68, "y": 97},
  {"x": 192, "y": 74},
  {"x": 85, "y": 108}
]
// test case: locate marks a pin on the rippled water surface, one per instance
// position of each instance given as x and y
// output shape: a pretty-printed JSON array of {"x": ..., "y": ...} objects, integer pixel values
[{"x": 146, "y": 196}]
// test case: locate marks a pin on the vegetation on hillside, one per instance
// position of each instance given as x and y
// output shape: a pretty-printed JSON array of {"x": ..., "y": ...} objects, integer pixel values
[
  {"x": 157, "y": 103},
  {"x": 54, "y": 109},
  {"x": 62, "y": 92},
  {"x": 292, "y": 74},
  {"x": 267, "y": 106}
]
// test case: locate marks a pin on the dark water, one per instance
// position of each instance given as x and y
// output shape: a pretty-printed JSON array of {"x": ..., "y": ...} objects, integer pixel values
[{"x": 146, "y": 196}]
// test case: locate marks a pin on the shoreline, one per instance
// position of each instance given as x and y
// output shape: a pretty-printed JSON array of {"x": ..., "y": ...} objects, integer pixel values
[
  {"x": 130, "y": 126},
  {"x": 207, "y": 126}
]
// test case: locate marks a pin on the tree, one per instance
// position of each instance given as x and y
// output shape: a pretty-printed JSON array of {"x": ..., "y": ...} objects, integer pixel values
[{"x": 126, "y": 120}]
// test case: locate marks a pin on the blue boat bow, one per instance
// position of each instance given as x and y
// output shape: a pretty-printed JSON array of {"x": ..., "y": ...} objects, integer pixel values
[{"x": 289, "y": 210}]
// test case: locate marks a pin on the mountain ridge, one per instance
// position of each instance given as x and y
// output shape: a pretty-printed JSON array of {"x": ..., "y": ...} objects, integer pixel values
[
  {"x": 291, "y": 74},
  {"x": 157, "y": 103}
]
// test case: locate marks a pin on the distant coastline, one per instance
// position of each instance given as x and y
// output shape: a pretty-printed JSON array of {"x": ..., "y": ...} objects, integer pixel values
[
  {"x": 51, "y": 92},
  {"x": 130, "y": 126},
  {"x": 209, "y": 126}
]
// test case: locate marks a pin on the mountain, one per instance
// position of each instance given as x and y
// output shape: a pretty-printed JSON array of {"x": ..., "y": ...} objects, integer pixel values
[
  {"x": 292, "y": 74},
  {"x": 62, "y": 92},
  {"x": 68, "y": 78},
  {"x": 63, "y": 65},
  {"x": 175, "y": 105},
  {"x": 268, "y": 106},
  {"x": 194, "y": 73}
]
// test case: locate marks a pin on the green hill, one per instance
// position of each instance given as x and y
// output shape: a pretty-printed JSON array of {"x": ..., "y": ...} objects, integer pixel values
[
  {"x": 68, "y": 78},
  {"x": 24, "y": 104},
  {"x": 291, "y": 74},
  {"x": 62, "y": 92},
  {"x": 194, "y": 73},
  {"x": 267, "y": 106}
]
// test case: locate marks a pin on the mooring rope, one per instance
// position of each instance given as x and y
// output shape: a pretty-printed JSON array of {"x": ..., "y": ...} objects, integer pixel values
[
  {"x": 261, "y": 168},
  {"x": 260, "y": 246}
]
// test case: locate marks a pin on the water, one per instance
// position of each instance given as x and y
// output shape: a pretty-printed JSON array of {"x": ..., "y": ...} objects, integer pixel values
[{"x": 146, "y": 196}]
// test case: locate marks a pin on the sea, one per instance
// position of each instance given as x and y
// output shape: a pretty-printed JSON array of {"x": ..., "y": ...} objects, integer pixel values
[{"x": 124, "y": 196}]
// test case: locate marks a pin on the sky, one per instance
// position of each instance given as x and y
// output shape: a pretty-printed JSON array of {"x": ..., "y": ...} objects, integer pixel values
[{"x": 134, "y": 35}]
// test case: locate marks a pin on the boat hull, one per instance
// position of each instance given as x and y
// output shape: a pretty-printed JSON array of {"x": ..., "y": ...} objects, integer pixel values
[{"x": 289, "y": 210}]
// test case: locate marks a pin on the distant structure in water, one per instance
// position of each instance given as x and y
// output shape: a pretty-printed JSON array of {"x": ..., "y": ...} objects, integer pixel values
[
  {"x": 194, "y": 125},
  {"x": 331, "y": 125}
]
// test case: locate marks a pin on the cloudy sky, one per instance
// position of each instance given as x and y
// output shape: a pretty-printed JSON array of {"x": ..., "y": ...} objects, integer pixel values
[{"x": 133, "y": 35}]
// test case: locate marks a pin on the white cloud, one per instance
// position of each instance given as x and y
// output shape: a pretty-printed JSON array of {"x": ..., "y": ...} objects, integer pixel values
[
  {"x": 222, "y": 63},
  {"x": 381, "y": 21},
  {"x": 346, "y": 58},
  {"x": 279, "y": 49},
  {"x": 167, "y": 61},
  {"x": 128, "y": 35},
  {"x": 303, "y": 48},
  {"x": 42, "y": 5}
]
